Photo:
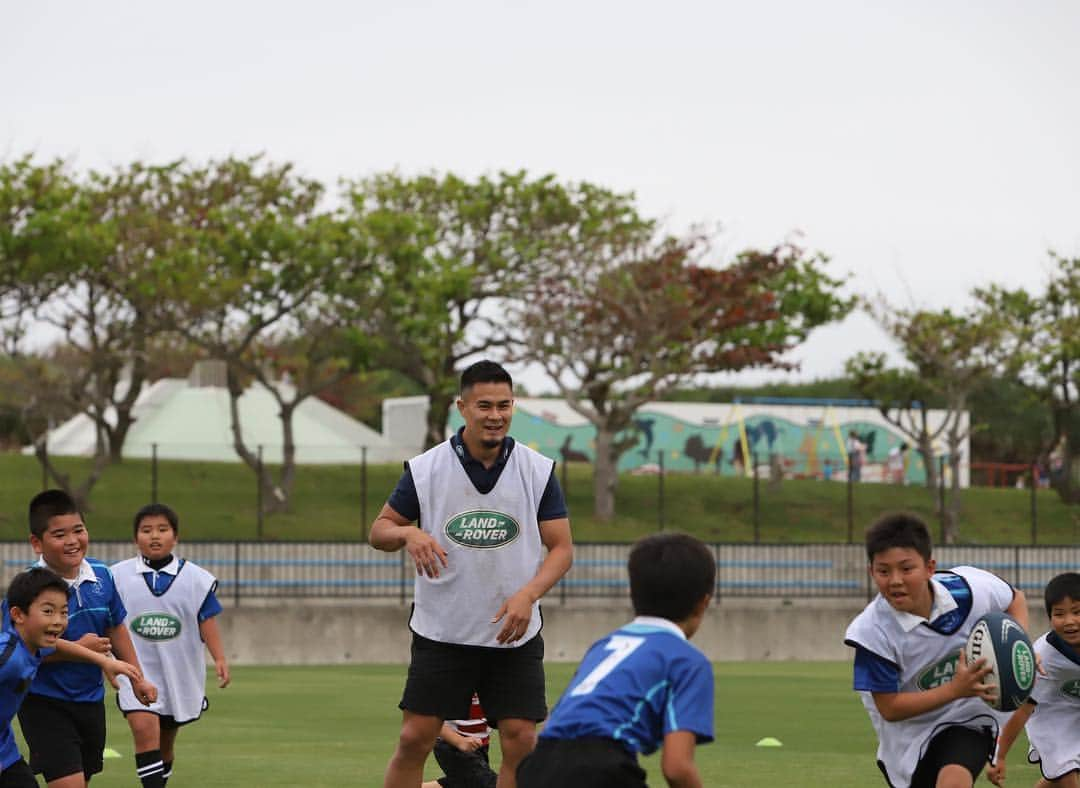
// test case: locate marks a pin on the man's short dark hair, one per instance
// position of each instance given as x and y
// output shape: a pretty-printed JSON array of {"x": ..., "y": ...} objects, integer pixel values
[
  {"x": 898, "y": 529},
  {"x": 484, "y": 372},
  {"x": 49, "y": 504},
  {"x": 154, "y": 510},
  {"x": 1064, "y": 585},
  {"x": 27, "y": 586},
  {"x": 669, "y": 575}
]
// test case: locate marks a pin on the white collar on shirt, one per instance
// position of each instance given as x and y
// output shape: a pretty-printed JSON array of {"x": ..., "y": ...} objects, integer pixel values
[
  {"x": 86, "y": 574},
  {"x": 660, "y": 623},
  {"x": 942, "y": 604}
]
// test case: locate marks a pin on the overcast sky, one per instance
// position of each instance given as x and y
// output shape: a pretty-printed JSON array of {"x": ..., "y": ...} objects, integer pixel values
[{"x": 927, "y": 147}]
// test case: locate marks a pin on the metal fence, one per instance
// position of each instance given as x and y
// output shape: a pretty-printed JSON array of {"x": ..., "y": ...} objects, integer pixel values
[{"x": 278, "y": 570}]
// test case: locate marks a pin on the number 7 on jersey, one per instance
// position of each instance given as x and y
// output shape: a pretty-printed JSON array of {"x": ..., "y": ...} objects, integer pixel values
[{"x": 621, "y": 647}]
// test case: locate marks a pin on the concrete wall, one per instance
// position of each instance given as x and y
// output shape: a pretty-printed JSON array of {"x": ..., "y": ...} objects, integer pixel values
[{"x": 315, "y": 634}]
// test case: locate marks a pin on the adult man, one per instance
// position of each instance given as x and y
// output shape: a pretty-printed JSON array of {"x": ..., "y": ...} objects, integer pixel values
[{"x": 486, "y": 507}]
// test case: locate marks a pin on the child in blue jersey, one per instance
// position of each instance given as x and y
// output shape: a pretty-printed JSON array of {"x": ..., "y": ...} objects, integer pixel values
[
  {"x": 642, "y": 687},
  {"x": 63, "y": 715},
  {"x": 925, "y": 701},
  {"x": 37, "y": 606}
]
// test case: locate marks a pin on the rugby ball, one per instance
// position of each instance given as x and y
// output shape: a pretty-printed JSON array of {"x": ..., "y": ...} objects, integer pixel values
[{"x": 999, "y": 639}]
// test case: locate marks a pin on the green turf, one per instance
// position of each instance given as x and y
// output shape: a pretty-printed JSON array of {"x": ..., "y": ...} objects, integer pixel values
[
  {"x": 217, "y": 501},
  {"x": 332, "y": 726}
]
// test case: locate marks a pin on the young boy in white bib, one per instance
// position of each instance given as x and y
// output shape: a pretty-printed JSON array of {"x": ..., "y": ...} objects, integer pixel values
[
  {"x": 1052, "y": 713},
  {"x": 934, "y": 729},
  {"x": 171, "y": 610}
]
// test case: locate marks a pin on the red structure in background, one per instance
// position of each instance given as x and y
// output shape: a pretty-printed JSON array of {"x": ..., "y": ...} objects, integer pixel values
[{"x": 1001, "y": 474}]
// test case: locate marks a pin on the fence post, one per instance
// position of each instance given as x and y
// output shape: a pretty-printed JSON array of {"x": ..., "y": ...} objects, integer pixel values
[
  {"x": 757, "y": 501},
  {"x": 941, "y": 496},
  {"x": 660, "y": 491},
  {"x": 236, "y": 573},
  {"x": 850, "y": 508},
  {"x": 259, "y": 495},
  {"x": 1034, "y": 503},
  {"x": 401, "y": 576},
  {"x": 363, "y": 494},
  {"x": 45, "y": 462},
  {"x": 565, "y": 477},
  {"x": 153, "y": 473}
]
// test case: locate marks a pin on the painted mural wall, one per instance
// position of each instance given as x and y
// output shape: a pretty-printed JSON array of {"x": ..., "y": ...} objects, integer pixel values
[{"x": 808, "y": 441}]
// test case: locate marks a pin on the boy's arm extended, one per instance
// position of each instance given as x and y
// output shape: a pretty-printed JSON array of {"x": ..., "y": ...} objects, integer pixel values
[
  {"x": 208, "y": 629},
  {"x": 122, "y": 647},
  {"x": 1016, "y": 723},
  {"x": 555, "y": 535},
  {"x": 966, "y": 683},
  {"x": 69, "y": 650},
  {"x": 677, "y": 760}
]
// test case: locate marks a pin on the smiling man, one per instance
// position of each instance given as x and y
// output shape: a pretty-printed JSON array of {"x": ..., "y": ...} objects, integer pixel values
[{"x": 487, "y": 509}]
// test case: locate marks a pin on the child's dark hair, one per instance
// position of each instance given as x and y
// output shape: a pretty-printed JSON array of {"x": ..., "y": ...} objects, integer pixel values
[
  {"x": 49, "y": 504},
  {"x": 27, "y": 586},
  {"x": 669, "y": 575},
  {"x": 154, "y": 510},
  {"x": 484, "y": 372},
  {"x": 1064, "y": 585},
  {"x": 898, "y": 529}
]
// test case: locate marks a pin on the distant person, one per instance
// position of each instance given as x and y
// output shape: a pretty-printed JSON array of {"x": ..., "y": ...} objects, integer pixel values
[
  {"x": 856, "y": 452},
  {"x": 488, "y": 509},
  {"x": 37, "y": 606},
  {"x": 641, "y": 688},
  {"x": 1052, "y": 713},
  {"x": 894, "y": 464},
  {"x": 827, "y": 470},
  {"x": 934, "y": 730},
  {"x": 462, "y": 752},
  {"x": 172, "y": 613},
  {"x": 63, "y": 715}
]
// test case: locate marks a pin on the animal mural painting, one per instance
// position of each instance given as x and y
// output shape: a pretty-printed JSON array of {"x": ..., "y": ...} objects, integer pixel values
[
  {"x": 570, "y": 454},
  {"x": 696, "y": 450}
]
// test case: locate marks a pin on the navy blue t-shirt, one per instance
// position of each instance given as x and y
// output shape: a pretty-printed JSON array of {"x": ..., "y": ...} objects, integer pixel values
[
  {"x": 405, "y": 501},
  {"x": 18, "y": 665}
]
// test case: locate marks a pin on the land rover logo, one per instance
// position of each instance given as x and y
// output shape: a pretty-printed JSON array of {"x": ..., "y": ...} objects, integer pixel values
[
  {"x": 939, "y": 673},
  {"x": 1023, "y": 664},
  {"x": 1071, "y": 688},
  {"x": 156, "y": 626},
  {"x": 482, "y": 529}
]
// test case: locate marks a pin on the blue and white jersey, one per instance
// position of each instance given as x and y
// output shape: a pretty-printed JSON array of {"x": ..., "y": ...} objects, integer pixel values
[
  {"x": 1052, "y": 728},
  {"x": 638, "y": 684},
  {"x": 94, "y": 605},
  {"x": 18, "y": 664},
  {"x": 896, "y": 651}
]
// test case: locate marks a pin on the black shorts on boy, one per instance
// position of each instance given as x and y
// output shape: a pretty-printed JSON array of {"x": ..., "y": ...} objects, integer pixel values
[
  {"x": 18, "y": 775},
  {"x": 957, "y": 745},
  {"x": 65, "y": 737},
  {"x": 444, "y": 676},
  {"x": 587, "y": 762}
]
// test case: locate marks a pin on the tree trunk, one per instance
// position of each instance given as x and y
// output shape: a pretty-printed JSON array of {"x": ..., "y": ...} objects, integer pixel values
[
  {"x": 437, "y": 416},
  {"x": 605, "y": 476},
  {"x": 926, "y": 451}
]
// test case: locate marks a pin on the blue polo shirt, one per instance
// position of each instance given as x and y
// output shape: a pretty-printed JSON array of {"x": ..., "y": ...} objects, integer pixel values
[
  {"x": 635, "y": 686},
  {"x": 18, "y": 664},
  {"x": 405, "y": 501},
  {"x": 94, "y": 605}
]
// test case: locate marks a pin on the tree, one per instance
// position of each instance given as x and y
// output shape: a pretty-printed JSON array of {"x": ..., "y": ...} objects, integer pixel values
[
  {"x": 620, "y": 323},
  {"x": 951, "y": 355},
  {"x": 449, "y": 255},
  {"x": 259, "y": 288},
  {"x": 1043, "y": 335}
]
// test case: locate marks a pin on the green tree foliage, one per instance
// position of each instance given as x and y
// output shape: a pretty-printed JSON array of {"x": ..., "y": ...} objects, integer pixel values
[
  {"x": 448, "y": 256},
  {"x": 622, "y": 322},
  {"x": 1043, "y": 331}
]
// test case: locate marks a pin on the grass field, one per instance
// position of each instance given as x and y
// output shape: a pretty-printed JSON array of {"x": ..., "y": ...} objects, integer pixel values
[
  {"x": 216, "y": 501},
  {"x": 333, "y": 726}
]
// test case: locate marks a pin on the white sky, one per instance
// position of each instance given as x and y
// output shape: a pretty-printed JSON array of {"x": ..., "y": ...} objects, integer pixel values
[{"x": 927, "y": 147}]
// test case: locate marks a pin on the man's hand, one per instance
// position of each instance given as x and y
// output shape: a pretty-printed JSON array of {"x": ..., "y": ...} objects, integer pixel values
[
  {"x": 517, "y": 611},
  {"x": 426, "y": 553},
  {"x": 96, "y": 643}
]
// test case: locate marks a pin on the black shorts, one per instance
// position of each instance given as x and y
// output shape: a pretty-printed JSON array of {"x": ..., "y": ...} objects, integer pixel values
[
  {"x": 166, "y": 722},
  {"x": 464, "y": 769},
  {"x": 581, "y": 763},
  {"x": 958, "y": 745},
  {"x": 64, "y": 737},
  {"x": 444, "y": 676},
  {"x": 18, "y": 775}
]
